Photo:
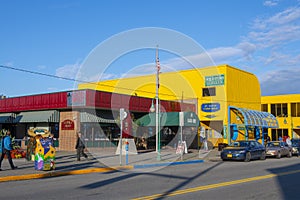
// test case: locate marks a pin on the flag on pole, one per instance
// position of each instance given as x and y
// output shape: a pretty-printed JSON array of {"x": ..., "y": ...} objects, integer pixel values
[
  {"x": 157, "y": 68},
  {"x": 157, "y": 64}
]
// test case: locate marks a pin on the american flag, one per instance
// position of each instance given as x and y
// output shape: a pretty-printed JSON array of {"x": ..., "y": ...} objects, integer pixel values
[{"x": 157, "y": 65}]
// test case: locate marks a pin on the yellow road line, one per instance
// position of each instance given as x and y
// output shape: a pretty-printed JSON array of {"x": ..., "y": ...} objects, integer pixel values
[
  {"x": 54, "y": 173},
  {"x": 217, "y": 185}
]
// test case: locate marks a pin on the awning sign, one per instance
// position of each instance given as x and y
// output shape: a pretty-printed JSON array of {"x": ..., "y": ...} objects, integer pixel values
[
  {"x": 214, "y": 80},
  {"x": 210, "y": 107}
]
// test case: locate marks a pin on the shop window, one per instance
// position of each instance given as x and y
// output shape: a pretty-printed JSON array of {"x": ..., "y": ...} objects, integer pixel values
[
  {"x": 273, "y": 111},
  {"x": 279, "y": 110},
  {"x": 277, "y": 133},
  {"x": 264, "y": 107},
  {"x": 285, "y": 132},
  {"x": 274, "y": 135},
  {"x": 206, "y": 92},
  {"x": 293, "y": 109}
]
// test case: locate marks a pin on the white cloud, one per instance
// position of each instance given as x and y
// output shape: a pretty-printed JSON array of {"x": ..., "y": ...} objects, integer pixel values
[
  {"x": 280, "y": 82},
  {"x": 68, "y": 71},
  {"x": 279, "y": 29},
  {"x": 270, "y": 3}
]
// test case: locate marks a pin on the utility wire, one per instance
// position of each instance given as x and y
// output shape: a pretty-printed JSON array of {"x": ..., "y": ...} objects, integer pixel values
[
  {"x": 77, "y": 80},
  {"x": 118, "y": 87}
]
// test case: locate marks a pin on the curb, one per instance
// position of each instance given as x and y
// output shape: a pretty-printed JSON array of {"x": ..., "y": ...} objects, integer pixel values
[
  {"x": 63, "y": 173},
  {"x": 94, "y": 170}
]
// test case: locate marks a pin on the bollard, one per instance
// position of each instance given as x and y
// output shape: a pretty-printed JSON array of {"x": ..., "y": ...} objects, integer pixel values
[{"x": 126, "y": 149}]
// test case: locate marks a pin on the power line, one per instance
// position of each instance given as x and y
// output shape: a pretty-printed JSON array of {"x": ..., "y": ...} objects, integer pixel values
[
  {"x": 77, "y": 80},
  {"x": 105, "y": 85}
]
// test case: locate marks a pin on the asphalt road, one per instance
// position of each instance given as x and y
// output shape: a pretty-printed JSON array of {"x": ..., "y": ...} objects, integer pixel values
[{"x": 269, "y": 179}]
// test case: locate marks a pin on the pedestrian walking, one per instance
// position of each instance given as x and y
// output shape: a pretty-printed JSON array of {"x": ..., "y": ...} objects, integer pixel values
[
  {"x": 6, "y": 148},
  {"x": 80, "y": 147}
]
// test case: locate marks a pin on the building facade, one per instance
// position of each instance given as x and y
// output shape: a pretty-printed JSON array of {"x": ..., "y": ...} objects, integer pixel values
[
  {"x": 94, "y": 113},
  {"x": 286, "y": 108},
  {"x": 212, "y": 89}
]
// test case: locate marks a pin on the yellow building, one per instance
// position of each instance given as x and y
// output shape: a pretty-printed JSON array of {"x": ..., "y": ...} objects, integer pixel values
[
  {"x": 286, "y": 108},
  {"x": 213, "y": 89}
]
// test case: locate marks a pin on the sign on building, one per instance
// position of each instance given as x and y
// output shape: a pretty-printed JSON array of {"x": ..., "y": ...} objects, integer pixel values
[{"x": 214, "y": 80}]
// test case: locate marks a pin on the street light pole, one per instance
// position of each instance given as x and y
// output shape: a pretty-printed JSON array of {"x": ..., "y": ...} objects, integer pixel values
[{"x": 157, "y": 111}]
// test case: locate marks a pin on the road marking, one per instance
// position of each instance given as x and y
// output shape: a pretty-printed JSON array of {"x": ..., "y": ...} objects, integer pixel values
[
  {"x": 217, "y": 185},
  {"x": 63, "y": 173}
]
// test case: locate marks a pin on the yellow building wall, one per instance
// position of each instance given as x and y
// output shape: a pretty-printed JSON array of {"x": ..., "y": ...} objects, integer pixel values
[
  {"x": 285, "y": 122},
  {"x": 240, "y": 89}
]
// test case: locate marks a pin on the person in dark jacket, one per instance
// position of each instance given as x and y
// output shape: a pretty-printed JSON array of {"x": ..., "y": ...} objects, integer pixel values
[
  {"x": 80, "y": 147},
  {"x": 7, "y": 147}
]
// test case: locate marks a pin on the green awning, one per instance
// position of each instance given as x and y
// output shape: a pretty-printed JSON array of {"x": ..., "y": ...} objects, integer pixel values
[
  {"x": 37, "y": 116},
  {"x": 169, "y": 119},
  {"x": 89, "y": 117},
  {"x": 6, "y": 117}
]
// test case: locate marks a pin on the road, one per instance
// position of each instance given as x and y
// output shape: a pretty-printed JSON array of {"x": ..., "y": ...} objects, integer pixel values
[{"x": 269, "y": 179}]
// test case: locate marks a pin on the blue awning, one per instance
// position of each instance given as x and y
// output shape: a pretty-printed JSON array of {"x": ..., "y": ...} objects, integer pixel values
[{"x": 257, "y": 118}]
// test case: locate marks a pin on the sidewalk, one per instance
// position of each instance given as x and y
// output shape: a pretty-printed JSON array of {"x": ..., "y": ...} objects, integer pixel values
[{"x": 101, "y": 160}]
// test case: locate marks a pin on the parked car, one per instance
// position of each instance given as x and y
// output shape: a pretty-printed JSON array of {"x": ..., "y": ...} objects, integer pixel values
[
  {"x": 278, "y": 149},
  {"x": 244, "y": 150},
  {"x": 296, "y": 147}
]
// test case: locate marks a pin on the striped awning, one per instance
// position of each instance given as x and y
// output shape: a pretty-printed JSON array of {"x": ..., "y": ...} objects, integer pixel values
[
  {"x": 7, "y": 117},
  {"x": 89, "y": 117},
  {"x": 38, "y": 116}
]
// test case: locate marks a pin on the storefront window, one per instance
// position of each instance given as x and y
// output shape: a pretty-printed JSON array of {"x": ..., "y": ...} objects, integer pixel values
[
  {"x": 279, "y": 110},
  {"x": 295, "y": 109},
  {"x": 276, "y": 133},
  {"x": 264, "y": 107}
]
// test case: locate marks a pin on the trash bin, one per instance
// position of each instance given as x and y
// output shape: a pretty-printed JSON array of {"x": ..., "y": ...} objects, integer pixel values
[
  {"x": 221, "y": 146},
  {"x": 44, "y": 154}
]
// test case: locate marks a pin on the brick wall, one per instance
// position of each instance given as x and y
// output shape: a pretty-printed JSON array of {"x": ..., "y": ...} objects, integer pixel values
[{"x": 67, "y": 138}]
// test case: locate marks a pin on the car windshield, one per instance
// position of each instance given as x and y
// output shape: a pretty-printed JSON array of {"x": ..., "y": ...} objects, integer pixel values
[
  {"x": 240, "y": 144},
  {"x": 273, "y": 144}
]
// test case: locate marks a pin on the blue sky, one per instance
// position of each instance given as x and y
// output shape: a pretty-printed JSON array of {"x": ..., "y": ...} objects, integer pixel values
[{"x": 56, "y": 37}]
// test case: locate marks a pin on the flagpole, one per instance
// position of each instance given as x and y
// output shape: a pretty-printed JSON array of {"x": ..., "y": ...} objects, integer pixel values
[{"x": 157, "y": 111}]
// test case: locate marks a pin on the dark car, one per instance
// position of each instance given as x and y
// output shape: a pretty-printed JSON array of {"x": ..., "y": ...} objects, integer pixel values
[
  {"x": 244, "y": 150},
  {"x": 278, "y": 149},
  {"x": 295, "y": 147}
]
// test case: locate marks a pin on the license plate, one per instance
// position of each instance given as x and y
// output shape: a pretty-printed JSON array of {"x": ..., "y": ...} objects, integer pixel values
[{"x": 229, "y": 155}]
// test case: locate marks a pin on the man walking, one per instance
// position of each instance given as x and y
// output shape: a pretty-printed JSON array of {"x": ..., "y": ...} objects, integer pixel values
[
  {"x": 7, "y": 147},
  {"x": 80, "y": 147}
]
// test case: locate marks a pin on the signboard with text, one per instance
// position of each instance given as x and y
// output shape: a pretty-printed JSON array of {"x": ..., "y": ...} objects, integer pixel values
[
  {"x": 214, "y": 80},
  {"x": 210, "y": 107},
  {"x": 67, "y": 125}
]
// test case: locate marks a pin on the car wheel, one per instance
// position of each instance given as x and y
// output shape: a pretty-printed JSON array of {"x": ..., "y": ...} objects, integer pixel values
[
  {"x": 247, "y": 157},
  {"x": 278, "y": 155},
  {"x": 263, "y": 156}
]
